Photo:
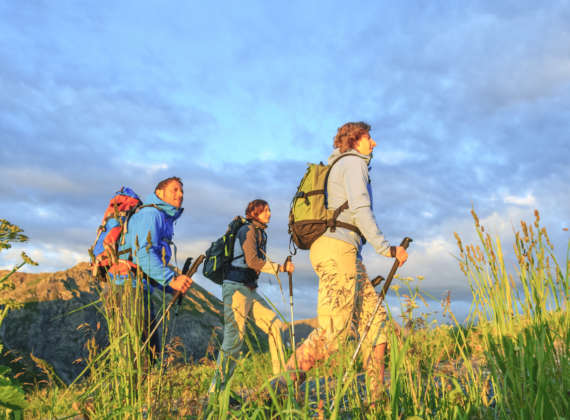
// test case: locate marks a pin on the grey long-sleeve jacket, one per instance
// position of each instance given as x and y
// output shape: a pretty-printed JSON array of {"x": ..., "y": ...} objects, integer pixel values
[{"x": 349, "y": 180}]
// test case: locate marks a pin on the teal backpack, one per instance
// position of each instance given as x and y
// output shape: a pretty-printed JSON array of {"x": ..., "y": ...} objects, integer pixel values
[{"x": 219, "y": 255}]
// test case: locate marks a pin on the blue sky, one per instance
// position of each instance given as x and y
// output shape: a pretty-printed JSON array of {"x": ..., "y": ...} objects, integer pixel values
[{"x": 469, "y": 104}]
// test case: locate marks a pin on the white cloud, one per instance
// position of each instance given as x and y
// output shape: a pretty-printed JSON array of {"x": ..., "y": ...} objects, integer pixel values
[
  {"x": 397, "y": 157},
  {"x": 48, "y": 257},
  {"x": 43, "y": 179},
  {"x": 148, "y": 167},
  {"x": 529, "y": 200}
]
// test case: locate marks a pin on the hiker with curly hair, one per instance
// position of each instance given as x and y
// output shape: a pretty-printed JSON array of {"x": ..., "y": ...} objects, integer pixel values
[
  {"x": 344, "y": 288},
  {"x": 240, "y": 297}
]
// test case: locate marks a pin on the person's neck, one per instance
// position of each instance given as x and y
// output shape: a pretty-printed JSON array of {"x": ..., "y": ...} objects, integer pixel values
[{"x": 258, "y": 224}]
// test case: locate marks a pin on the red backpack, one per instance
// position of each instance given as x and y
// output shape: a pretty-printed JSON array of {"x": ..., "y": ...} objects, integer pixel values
[{"x": 104, "y": 251}]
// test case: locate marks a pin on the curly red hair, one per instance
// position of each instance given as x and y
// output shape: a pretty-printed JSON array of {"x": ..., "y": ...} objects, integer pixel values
[
  {"x": 349, "y": 134},
  {"x": 254, "y": 208}
]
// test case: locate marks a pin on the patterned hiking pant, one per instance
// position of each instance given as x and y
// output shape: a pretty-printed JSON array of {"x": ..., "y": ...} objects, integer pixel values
[{"x": 344, "y": 293}]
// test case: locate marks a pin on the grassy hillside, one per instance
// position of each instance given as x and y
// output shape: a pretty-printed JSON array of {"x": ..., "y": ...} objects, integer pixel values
[{"x": 510, "y": 360}]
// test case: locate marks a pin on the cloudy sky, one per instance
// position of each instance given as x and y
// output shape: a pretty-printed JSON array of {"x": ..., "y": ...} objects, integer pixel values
[{"x": 469, "y": 104}]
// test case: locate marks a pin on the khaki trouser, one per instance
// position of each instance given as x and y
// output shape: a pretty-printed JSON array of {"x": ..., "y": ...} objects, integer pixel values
[
  {"x": 344, "y": 292},
  {"x": 239, "y": 302}
]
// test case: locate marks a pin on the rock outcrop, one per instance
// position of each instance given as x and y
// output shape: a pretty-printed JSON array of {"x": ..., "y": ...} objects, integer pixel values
[{"x": 61, "y": 312}]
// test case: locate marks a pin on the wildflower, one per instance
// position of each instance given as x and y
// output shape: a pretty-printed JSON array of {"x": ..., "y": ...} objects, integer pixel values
[{"x": 28, "y": 260}]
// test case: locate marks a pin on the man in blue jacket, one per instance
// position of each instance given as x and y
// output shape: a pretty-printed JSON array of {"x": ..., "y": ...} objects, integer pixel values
[{"x": 147, "y": 243}]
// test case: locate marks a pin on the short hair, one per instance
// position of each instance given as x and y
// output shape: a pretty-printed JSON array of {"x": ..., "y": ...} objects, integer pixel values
[
  {"x": 349, "y": 134},
  {"x": 254, "y": 208},
  {"x": 164, "y": 183}
]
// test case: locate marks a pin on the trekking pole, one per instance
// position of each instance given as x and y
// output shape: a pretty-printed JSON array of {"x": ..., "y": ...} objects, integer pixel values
[
  {"x": 288, "y": 260},
  {"x": 177, "y": 296},
  {"x": 185, "y": 270},
  {"x": 405, "y": 243}
]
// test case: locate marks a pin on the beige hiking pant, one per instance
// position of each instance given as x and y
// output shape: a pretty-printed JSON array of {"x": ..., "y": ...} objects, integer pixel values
[
  {"x": 344, "y": 292},
  {"x": 239, "y": 302}
]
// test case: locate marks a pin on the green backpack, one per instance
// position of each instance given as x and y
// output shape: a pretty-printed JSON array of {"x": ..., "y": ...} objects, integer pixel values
[
  {"x": 220, "y": 254},
  {"x": 309, "y": 216}
]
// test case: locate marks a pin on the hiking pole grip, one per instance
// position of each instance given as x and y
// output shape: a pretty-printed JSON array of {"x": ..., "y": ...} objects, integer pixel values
[
  {"x": 377, "y": 280},
  {"x": 187, "y": 264},
  {"x": 187, "y": 272},
  {"x": 404, "y": 244}
]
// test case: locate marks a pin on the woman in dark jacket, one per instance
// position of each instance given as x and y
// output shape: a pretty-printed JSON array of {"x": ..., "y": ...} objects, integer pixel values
[{"x": 241, "y": 298}]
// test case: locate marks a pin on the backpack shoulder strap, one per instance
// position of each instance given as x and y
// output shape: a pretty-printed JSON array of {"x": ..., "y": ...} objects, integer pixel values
[
  {"x": 130, "y": 214},
  {"x": 345, "y": 155},
  {"x": 335, "y": 161},
  {"x": 247, "y": 223},
  {"x": 333, "y": 223},
  {"x": 327, "y": 178}
]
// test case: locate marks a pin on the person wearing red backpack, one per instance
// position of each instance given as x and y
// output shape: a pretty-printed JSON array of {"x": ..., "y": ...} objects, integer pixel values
[{"x": 146, "y": 244}]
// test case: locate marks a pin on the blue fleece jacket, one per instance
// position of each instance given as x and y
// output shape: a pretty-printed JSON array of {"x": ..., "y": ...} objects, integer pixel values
[
  {"x": 349, "y": 180},
  {"x": 152, "y": 228}
]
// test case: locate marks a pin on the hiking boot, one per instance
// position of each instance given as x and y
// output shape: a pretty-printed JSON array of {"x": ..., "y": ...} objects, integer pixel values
[
  {"x": 297, "y": 376},
  {"x": 279, "y": 384},
  {"x": 235, "y": 401}
]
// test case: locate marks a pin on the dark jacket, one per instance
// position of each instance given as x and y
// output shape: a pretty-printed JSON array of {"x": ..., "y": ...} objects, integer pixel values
[{"x": 250, "y": 249}]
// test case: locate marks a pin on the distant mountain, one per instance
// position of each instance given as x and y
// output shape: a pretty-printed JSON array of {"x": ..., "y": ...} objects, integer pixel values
[{"x": 52, "y": 326}]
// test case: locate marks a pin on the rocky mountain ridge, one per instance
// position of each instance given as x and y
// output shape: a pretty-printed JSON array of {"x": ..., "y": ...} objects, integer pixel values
[{"x": 60, "y": 313}]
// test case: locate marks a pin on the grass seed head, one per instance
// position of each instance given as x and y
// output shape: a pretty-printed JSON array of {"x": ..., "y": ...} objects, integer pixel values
[
  {"x": 475, "y": 218},
  {"x": 459, "y": 243}
]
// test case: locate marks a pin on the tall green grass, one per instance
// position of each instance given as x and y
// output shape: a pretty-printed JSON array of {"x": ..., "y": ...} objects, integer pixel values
[
  {"x": 509, "y": 360},
  {"x": 122, "y": 379},
  {"x": 523, "y": 320},
  {"x": 12, "y": 398}
]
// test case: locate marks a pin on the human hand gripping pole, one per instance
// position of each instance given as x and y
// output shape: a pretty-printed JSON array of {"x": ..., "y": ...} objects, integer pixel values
[
  {"x": 405, "y": 243},
  {"x": 177, "y": 296}
]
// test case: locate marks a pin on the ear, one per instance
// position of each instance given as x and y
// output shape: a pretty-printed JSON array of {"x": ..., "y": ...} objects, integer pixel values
[{"x": 160, "y": 194}]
